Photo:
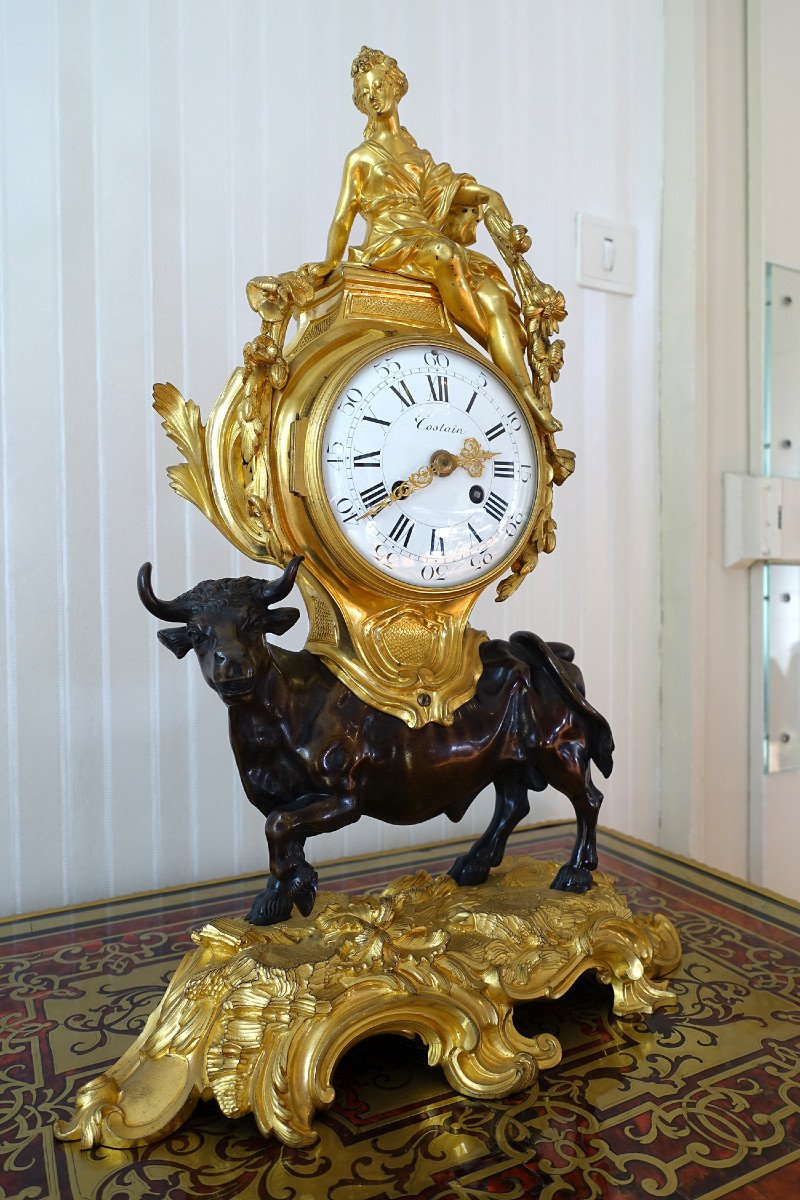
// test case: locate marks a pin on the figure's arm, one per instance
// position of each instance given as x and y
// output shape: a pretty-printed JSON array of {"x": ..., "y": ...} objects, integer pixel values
[
  {"x": 346, "y": 210},
  {"x": 470, "y": 192}
]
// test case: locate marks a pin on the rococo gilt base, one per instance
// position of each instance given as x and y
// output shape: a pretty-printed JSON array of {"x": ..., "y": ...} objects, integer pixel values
[{"x": 258, "y": 1018}]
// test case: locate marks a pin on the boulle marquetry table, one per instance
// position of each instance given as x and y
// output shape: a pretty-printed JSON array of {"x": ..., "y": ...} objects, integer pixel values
[{"x": 699, "y": 1100}]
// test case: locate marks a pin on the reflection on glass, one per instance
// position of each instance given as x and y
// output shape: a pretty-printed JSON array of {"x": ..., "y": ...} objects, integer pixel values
[{"x": 781, "y": 582}]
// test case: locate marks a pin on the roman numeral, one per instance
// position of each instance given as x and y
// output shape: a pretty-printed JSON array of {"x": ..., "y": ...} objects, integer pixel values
[
  {"x": 439, "y": 392},
  {"x": 437, "y": 543},
  {"x": 474, "y": 533},
  {"x": 400, "y": 526},
  {"x": 372, "y": 458},
  {"x": 496, "y": 506},
  {"x": 403, "y": 394},
  {"x": 372, "y": 495},
  {"x": 377, "y": 421},
  {"x": 504, "y": 469},
  {"x": 494, "y": 432},
  {"x": 472, "y": 400}
]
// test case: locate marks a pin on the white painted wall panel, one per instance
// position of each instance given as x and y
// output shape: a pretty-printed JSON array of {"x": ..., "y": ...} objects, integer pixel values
[
  {"x": 155, "y": 157},
  {"x": 707, "y": 700},
  {"x": 31, "y": 458}
]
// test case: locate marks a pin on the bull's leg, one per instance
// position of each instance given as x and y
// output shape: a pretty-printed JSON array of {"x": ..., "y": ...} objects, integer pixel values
[
  {"x": 511, "y": 805},
  {"x": 271, "y": 905},
  {"x": 287, "y": 830},
  {"x": 576, "y": 875}
]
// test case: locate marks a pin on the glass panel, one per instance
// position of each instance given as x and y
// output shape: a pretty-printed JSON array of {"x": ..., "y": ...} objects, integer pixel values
[
  {"x": 783, "y": 667},
  {"x": 782, "y": 373},
  {"x": 782, "y": 457}
]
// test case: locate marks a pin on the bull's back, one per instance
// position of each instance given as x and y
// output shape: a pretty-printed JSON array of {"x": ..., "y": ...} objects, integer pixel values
[{"x": 330, "y": 740}]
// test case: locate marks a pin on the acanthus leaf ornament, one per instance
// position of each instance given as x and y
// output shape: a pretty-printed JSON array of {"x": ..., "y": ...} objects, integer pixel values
[{"x": 183, "y": 426}]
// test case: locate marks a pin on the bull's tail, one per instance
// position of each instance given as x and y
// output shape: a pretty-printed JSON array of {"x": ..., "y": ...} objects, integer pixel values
[{"x": 553, "y": 657}]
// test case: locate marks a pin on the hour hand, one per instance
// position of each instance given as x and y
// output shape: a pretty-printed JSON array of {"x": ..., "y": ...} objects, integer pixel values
[
  {"x": 417, "y": 479},
  {"x": 442, "y": 463}
]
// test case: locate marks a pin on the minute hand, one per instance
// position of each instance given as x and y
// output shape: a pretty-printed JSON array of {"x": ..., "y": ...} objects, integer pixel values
[{"x": 442, "y": 463}]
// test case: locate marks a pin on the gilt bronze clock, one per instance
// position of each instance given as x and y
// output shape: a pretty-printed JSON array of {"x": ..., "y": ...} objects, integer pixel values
[
  {"x": 396, "y": 456},
  {"x": 402, "y": 441}
]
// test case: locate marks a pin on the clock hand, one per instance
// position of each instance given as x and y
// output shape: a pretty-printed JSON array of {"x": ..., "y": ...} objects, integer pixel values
[
  {"x": 471, "y": 457},
  {"x": 416, "y": 480},
  {"x": 442, "y": 463}
]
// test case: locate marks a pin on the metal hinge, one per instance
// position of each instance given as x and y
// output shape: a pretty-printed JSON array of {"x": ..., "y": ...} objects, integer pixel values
[{"x": 762, "y": 519}]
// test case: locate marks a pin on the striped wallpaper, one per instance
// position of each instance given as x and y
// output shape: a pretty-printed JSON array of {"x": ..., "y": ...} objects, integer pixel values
[{"x": 155, "y": 156}]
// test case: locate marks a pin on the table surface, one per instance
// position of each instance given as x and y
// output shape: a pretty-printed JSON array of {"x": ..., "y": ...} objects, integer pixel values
[{"x": 700, "y": 1100}]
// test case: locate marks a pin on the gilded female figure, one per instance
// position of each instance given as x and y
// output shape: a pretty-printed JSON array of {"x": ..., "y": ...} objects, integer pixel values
[{"x": 420, "y": 218}]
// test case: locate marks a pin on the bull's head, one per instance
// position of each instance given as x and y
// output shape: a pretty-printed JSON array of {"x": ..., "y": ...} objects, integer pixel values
[{"x": 225, "y": 621}]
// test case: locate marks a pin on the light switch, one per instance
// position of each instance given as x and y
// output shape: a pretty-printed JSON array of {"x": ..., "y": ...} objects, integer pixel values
[{"x": 606, "y": 254}]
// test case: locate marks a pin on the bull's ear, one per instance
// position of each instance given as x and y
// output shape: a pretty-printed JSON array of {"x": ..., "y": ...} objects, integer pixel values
[
  {"x": 280, "y": 620},
  {"x": 176, "y": 640}
]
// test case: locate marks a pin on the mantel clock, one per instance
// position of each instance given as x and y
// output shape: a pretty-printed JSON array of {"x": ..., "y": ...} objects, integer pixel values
[
  {"x": 396, "y": 456},
  {"x": 410, "y": 467}
]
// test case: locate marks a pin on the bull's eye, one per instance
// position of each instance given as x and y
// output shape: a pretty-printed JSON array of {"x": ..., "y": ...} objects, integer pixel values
[{"x": 195, "y": 635}]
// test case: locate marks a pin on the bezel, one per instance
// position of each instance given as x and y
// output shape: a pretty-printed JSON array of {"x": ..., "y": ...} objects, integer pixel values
[{"x": 344, "y": 555}]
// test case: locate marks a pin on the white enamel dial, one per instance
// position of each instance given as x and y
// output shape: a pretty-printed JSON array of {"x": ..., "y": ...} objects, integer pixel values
[{"x": 428, "y": 407}]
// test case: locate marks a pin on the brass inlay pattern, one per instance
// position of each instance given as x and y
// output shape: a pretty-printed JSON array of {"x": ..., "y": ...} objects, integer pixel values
[{"x": 695, "y": 1101}]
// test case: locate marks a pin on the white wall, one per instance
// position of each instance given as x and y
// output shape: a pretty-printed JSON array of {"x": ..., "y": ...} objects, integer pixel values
[
  {"x": 155, "y": 157},
  {"x": 779, "y": 25},
  {"x": 705, "y": 723}
]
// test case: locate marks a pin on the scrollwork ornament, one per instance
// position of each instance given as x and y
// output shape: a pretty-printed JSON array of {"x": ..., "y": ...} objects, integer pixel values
[{"x": 258, "y": 1018}]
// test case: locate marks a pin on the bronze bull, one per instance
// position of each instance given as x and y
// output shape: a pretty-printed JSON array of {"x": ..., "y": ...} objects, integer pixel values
[{"x": 313, "y": 757}]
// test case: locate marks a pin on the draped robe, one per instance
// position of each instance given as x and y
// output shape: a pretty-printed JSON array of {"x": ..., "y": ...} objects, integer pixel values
[{"x": 405, "y": 201}]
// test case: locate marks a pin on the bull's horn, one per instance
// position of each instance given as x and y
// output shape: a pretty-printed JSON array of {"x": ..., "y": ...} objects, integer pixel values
[
  {"x": 165, "y": 610},
  {"x": 278, "y": 589}
]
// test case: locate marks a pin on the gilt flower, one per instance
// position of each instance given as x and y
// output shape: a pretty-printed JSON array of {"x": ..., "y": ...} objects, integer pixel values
[{"x": 548, "y": 310}]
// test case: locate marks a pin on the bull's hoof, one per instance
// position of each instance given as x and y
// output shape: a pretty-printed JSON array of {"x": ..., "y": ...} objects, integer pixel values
[
  {"x": 468, "y": 870},
  {"x": 271, "y": 905},
  {"x": 301, "y": 887},
  {"x": 572, "y": 879}
]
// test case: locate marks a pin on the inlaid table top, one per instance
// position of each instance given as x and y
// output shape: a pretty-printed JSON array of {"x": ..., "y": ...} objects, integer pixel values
[{"x": 699, "y": 1100}]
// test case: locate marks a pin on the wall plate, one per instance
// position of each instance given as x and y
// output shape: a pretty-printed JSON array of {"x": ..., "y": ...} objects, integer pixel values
[{"x": 606, "y": 254}]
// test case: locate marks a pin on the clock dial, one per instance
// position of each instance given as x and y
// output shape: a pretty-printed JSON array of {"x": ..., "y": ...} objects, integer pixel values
[{"x": 429, "y": 466}]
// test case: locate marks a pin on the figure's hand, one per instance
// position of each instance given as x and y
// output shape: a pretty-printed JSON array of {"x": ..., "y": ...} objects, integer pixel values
[
  {"x": 497, "y": 204},
  {"x": 319, "y": 271},
  {"x": 441, "y": 464}
]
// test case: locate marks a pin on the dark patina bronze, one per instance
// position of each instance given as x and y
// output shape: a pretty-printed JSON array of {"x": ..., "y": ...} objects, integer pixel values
[{"x": 313, "y": 757}]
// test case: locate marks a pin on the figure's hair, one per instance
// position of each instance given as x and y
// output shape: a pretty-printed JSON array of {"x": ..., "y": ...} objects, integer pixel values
[{"x": 364, "y": 61}]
